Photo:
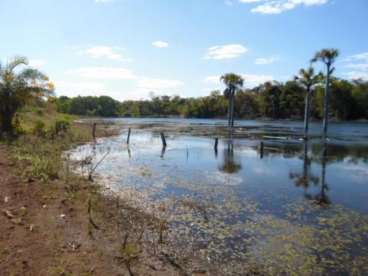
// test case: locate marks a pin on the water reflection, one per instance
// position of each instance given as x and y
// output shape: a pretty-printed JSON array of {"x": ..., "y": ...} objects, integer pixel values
[
  {"x": 230, "y": 163},
  {"x": 323, "y": 198},
  {"x": 163, "y": 151},
  {"x": 289, "y": 170},
  {"x": 268, "y": 208},
  {"x": 306, "y": 177}
]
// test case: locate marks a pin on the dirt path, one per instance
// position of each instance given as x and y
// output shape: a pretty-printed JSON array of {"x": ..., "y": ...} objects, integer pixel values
[{"x": 44, "y": 232}]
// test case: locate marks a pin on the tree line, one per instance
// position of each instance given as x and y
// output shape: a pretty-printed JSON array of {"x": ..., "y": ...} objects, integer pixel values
[
  {"x": 274, "y": 100},
  {"x": 320, "y": 96}
]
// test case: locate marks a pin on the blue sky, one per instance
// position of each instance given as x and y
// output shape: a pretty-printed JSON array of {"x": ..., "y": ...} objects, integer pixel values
[{"x": 128, "y": 48}]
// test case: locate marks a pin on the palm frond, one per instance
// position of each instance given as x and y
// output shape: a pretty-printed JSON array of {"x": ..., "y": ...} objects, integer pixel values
[
  {"x": 327, "y": 56},
  {"x": 32, "y": 74},
  {"x": 15, "y": 62},
  {"x": 232, "y": 80}
]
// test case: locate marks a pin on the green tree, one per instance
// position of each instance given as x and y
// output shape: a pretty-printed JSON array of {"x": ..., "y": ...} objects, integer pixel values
[
  {"x": 360, "y": 95},
  {"x": 269, "y": 99},
  {"x": 343, "y": 105},
  {"x": 291, "y": 100},
  {"x": 308, "y": 80},
  {"x": 328, "y": 57},
  {"x": 233, "y": 83},
  {"x": 19, "y": 85}
]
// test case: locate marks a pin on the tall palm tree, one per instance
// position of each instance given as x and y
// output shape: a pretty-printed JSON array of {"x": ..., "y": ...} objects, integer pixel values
[
  {"x": 328, "y": 57},
  {"x": 18, "y": 85},
  {"x": 233, "y": 83},
  {"x": 308, "y": 79}
]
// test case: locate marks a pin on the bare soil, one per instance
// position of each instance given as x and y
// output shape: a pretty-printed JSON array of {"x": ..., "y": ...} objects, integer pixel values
[{"x": 45, "y": 230}]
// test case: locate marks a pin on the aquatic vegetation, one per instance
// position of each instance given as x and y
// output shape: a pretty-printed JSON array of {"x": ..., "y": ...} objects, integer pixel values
[{"x": 257, "y": 219}]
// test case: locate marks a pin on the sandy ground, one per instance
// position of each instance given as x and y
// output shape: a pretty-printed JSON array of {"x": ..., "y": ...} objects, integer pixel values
[{"x": 43, "y": 231}]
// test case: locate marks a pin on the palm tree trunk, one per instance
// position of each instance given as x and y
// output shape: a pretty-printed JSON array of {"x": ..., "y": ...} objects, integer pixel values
[
  {"x": 232, "y": 108},
  {"x": 229, "y": 111},
  {"x": 326, "y": 103},
  {"x": 307, "y": 113}
]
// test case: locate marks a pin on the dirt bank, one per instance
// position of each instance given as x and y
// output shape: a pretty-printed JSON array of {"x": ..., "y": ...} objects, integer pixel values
[{"x": 59, "y": 227}]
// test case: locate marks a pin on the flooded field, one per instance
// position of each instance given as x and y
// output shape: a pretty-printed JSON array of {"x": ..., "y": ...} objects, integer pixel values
[{"x": 287, "y": 207}]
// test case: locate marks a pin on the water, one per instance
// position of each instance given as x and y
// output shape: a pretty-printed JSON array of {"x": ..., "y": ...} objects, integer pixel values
[{"x": 294, "y": 207}]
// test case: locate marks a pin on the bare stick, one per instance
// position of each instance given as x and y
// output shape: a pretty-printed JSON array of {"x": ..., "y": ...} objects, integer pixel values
[
  {"x": 163, "y": 139},
  {"x": 90, "y": 215},
  {"x": 95, "y": 167},
  {"x": 261, "y": 149},
  {"x": 216, "y": 143},
  {"x": 128, "y": 138},
  {"x": 94, "y": 131}
]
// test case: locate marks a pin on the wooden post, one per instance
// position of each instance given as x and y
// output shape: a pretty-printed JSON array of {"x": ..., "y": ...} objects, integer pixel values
[
  {"x": 261, "y": 149},
  {"x": 163, "y": 152},
  {"x": 94, "y": 131},
  {"x": 128, "y": 138},
  {"x": 163, "y": 139}
]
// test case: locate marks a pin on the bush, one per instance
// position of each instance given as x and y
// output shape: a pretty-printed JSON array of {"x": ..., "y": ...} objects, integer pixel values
[
  {"x": 61, "y": 126},
  {"x": 40, "y": 157},
  {"x": 39, "y": 129}
]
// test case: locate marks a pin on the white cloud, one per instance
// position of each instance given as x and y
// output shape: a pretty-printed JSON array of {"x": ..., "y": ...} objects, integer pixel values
[
  {"x": 356, "y": 75},
  {"x": 362, "y": 57},
  {"x": 266, "y": 61},
  {"x": 250, "y": 80},
  {"x": 104, "y": 73},
  {"x": 280, "y": 6},
  {"x": 154, "y": 84},
  {"x": 213, "y": 80},
  {"x": 96, "y": 52},
  {"x": 160, "y": 44},
  {"x": 358, "y": 64},
  {"x": 37, "y": 63},
  {"x": 75, "y": 88},
  {"x": 226, "y": 51}
]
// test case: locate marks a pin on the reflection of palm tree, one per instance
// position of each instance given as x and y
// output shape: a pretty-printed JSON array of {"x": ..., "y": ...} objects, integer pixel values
[
  {"x": 322, "y": 198},
  {"x": 230, "y": 164},
  {"x": 305, "y": 178}
]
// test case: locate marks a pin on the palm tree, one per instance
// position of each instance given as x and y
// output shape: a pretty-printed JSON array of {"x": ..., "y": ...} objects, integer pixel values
[
  {"x": 17, "y": 86},
  {"x": 328, "y": 57},
  {"x": 233, "y": 83},
  {"x": 307, "y": 79}
]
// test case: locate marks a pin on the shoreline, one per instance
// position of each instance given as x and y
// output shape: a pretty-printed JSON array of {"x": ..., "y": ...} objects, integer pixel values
[{"x": 69, "y": 225}]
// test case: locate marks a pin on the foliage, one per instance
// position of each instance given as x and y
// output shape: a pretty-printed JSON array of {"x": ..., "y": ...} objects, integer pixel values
[
  {"x": 349, "y": 100},
  {"x": 88, "y": 106},
  {"x": 18, "y": 87}
]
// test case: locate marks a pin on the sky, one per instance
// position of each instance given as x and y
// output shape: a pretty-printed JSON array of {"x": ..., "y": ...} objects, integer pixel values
[{"x": 128, "y": 49}]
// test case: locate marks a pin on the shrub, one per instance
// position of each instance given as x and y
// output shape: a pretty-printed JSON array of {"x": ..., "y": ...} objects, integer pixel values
[
  {"x": 61, "y": 126},
  {"x": 39, "y": 129}
]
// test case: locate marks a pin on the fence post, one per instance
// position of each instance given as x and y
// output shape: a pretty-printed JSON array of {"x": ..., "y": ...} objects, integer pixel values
[
  {"x": 216, "y": 143},
  {"x": 163, "y": 139},
  {"x": 94, "y": 131},
  {"x": 261, "y": 149},
  {"x": 128, "y": 138}
]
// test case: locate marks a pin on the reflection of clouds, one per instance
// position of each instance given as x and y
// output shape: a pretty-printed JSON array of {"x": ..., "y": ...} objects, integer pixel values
[
  {"x": 262, "y": 170},
  {"x": 247, "y": 152},
  {"x": 356, "y": 171},
  {"x": 221, "y": 178}
]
